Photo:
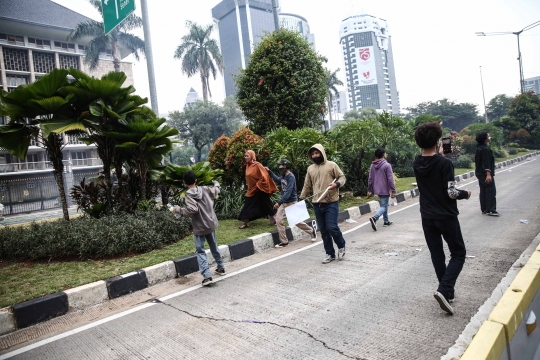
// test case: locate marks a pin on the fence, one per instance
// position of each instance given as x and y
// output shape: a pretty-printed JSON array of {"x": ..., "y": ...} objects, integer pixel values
[{"x": 34, "y": 193}]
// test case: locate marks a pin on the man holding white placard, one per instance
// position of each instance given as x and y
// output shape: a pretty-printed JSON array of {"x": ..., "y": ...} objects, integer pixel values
[
  {"x": 324, "y": 177},
  {"x": 287, "y": 180}
]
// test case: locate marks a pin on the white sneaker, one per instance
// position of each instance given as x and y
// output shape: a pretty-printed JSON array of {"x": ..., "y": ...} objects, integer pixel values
[
  {"x": 443, "y": 303},
  {"x": 313, "y": 236},
  {"x": 341, "y": 253},
  {"x": 328, "y": 259}
]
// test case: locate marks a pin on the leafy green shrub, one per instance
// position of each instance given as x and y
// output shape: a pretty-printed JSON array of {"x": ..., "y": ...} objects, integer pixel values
[
  {"x": 463, "y": 162},
  {"x": 230, "y": 201},
  {"x": 512, "y": 151},
  {"x": 174, "y": 175},
  {"x": 513, "y": 144},
  {"x": 403, "y": 171},
  {"x": 85, "y": 237},
  {"x": 499, "y": 153},
  {"x": 523, "y": 150},
  {"x": 468, "y": 145},
  {"x": 243, "y": 140}
]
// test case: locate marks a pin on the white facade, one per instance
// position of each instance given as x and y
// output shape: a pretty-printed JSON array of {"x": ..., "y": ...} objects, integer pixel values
[
  {"x": 532, "y": 84},
  {"x": 368, "y": 63},
  {"x": 297, "y": 23},
  {"x": 192, "y": 97}
]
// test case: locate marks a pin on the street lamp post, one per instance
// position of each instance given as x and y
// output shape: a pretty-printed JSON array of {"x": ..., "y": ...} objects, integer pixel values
[
  {"x": 483, "y": 95},
  {"x": 517, "y": 33}
]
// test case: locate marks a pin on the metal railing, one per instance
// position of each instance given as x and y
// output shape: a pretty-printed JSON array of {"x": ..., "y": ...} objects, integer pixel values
[{"x": 45, "y": 165}]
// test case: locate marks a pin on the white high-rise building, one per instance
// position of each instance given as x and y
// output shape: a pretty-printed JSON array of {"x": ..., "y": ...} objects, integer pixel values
[
  {"x": 369, "y": 64},
  {"x": 297, "y": 23},
  {"x": 192, "y": 97}
]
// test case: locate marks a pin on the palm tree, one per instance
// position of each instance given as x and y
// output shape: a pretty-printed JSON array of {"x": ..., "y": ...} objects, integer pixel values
[
  {"x": 101, "y": 42},
  {"x": 200, "y": 53},
  {"x": 331, "y": 82},
  {"x": 42, "y": 112},
  {"x": 147, "y": 141}
]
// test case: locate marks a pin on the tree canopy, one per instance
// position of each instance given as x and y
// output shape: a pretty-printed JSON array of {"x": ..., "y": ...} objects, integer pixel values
[
  {"x": 498, "y": 107},
  {"x": 455, "y": 116},
  {"x": 525, "y": 109},
  {"x": 284, "y": 84}
]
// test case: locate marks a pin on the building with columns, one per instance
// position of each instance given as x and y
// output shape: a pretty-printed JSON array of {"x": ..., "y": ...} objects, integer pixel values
[{"x": 33, "y": 42}]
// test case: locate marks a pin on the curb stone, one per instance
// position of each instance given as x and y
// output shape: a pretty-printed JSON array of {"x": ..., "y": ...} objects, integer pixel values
[{"x": 100, "y": 291}]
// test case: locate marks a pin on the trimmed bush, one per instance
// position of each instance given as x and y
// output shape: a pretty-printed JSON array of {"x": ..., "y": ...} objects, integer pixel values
[
  {"x": 523, "y": 150},
  {"x": 403, "y": 171},
  {"x": 512, "y": 151},
  {"x": 499, "y": 153},
  {"x": 513, "y": 144},
  {"x": 85, "y": 237},
  {"x": 463, "y": 162}
]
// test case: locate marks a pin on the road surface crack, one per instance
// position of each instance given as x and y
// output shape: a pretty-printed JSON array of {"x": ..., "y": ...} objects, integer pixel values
[{"x": 260, "y": 322}]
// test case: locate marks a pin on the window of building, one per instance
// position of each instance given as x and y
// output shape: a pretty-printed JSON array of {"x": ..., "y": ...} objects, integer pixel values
[
  {"x": 68, "y": 61},
  {"x": 12, "y": 39},
  {"x": 15, "y": 59},
  {"x": 82, "y": 48},
  {"x": 3, "y": 120},
  {"x": 79, "y": 158},
  {"x": 64, "y": 46},
  {"x": 43, "y": 62},
  {"x": 15, "y": 80},
  {"x": 32, "y": 160},
  {"x": 39, "y": 43}
]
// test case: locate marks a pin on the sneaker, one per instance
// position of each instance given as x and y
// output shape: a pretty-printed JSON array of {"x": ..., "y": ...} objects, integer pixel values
[
  {"x": 372, "y": 221},
  {"x": 314, "y": 235},
  {"x": 388, "y": 223},
  {"x": 220, "y": 271},
  {"x": 328, "y": 259},
  {"x": 207, "y": 281},
  {"x": 493, "y": 213},
  {"x": 451, "y": 300},
  {"x": 341, "y": 253},
  {"x": 281, "y": 245},
  {"x": 484, "y": 212},
  {"x": 443, "y": 303}
]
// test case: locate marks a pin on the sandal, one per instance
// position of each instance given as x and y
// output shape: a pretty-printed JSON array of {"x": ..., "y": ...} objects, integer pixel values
[{"x": 243, "y": 226}]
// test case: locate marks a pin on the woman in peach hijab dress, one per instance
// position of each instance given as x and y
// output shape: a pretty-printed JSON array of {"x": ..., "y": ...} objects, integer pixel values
[{"x": 260, "y": 187}]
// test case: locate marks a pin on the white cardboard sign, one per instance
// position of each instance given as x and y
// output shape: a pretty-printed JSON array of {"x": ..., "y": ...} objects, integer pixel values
[{"x": 297, "y": 213}]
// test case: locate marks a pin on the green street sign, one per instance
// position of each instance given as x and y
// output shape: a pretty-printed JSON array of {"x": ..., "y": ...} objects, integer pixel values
[{"x": 115, "y": 11}]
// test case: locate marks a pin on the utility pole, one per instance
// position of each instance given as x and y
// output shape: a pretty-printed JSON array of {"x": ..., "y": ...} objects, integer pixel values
[
  {"x": 276, "y": 15},
  {"x": 517, "y": 33},
  {"x": 149, "y": 58},
  {"x": 484, "y": 96}
]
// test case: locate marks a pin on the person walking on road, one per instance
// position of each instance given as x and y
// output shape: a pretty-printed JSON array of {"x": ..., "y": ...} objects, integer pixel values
[
  {"x": 484, "y": 162},
  {"x": 259, "y": 189},
  {"x": 325, "y": 175},
  {"x": 288, "y": 198},
  {"x": 200, "y": 207},
  {"x": 438, "y": 208},
  {"x": 381, "y": 183}
]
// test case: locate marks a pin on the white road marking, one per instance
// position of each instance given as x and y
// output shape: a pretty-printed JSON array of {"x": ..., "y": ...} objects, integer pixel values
[{"x": 193, "y": 288}]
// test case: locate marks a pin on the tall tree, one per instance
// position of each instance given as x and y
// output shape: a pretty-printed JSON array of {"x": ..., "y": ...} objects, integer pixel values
[
  {"x": 498, "y": 107},
  {"x": 100, "y": 42},
  {"x": 35, "y": 111},
  {"x": 203, "y": 122},
  {"x": 455, "y": 116},
  {"x": 283, "y": 85},
  {"x": 525, "y": 109},
  {"x": 200, "y": 54},
  {"x": 331, "y": 82}
]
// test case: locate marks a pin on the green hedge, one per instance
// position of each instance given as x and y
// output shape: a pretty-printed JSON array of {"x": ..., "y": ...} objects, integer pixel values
[{"x": 86, "y": 237}]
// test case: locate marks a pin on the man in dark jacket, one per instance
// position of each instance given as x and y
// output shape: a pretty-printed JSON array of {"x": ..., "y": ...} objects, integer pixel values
[
  {"x": 438, "y": 208},
  {"x": 381, "y": 183},
  {"x": 485, "y": 172},
  {"x": 287, "y": 180}
]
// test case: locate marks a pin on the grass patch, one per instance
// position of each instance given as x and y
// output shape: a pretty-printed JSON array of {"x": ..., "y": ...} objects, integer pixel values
[{"x": 510, "y": 157}]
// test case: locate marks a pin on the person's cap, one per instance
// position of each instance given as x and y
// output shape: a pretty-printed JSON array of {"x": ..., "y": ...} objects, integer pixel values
[{"x": 285, "y": 162}]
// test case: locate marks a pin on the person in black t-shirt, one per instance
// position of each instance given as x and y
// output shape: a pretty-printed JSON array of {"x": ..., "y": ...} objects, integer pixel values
[
  {"x": 438, "y": 207},
  {"x": 484, "y": 162}
]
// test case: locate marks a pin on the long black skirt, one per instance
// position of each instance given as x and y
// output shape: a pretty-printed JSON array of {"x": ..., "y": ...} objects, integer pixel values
[{"x": 256, "y": 207}]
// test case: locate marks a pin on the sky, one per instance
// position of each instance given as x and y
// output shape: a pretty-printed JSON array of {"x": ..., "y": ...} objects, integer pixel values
[{"x": 436, "y": 52}]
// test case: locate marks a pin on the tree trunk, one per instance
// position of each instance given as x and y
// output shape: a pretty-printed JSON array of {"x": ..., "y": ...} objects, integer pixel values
[
  {"x": 60, "y": 182},
  {"x": 142, "y": 174},
  {"x": 208, "y": 87},
  {"x": 204, "y": 89},
  {"x": 330, "y": 110},
  {"x": 116, "y": 56},
  {"x": 53, "y": 146}
]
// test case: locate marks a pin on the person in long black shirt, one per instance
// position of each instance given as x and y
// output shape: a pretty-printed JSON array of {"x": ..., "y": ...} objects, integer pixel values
[
  {"x": 289, "y": 197},
  {"x": 485, "y": 172},
  {"x": 438, "y": 207}
]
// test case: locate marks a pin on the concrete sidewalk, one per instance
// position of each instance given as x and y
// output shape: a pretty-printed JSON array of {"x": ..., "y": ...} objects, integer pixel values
[{"x": 36, "y": 216}]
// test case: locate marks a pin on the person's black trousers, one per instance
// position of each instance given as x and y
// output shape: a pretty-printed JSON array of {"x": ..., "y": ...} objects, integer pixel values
[
  {"x": 488, "y": 193},
  {"x": 450, "y": 230}
]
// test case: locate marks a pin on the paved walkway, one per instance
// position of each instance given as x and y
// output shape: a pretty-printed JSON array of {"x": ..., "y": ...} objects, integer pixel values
[{"x": 35, "y": 216}]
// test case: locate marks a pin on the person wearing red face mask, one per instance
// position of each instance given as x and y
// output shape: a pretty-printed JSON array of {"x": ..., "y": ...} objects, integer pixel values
[{"x": 260, "y": 188}]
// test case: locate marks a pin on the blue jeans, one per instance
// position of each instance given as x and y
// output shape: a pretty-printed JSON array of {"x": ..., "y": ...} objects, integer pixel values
[
  {"x": 383, "y": 210},
  {"x": 201, "y": 254},
  {"x": 327, "y": 221}
]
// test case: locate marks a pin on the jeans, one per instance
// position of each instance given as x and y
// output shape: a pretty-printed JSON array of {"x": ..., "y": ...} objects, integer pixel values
[
  {"x": 383, "y": 210},
  {"x": 488, "y": 192},
  {"x": 327, "y": 221},
  {"x": 201, "y": 253},
  {"x": 450, "y": 230}
]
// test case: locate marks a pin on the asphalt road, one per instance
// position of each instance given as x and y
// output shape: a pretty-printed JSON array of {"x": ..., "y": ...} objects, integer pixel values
[{"x": 368, "y": 306}]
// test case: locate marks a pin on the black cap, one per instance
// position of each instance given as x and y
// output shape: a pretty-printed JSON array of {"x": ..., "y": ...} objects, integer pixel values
[{"x": 285, "y": 162}]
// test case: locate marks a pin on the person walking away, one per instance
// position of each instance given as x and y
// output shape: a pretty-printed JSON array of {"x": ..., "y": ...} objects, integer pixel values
[
  {"x": 438, "y": 208},
  {"x": 260, "y": 188},
  {"x": 200, "y": 207},
  {"x": 484, "y": 162},
  {"x": 288, "y": 198},
  {"x": 323, "y": 174},
  {"x": 381, "y": 183}
]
